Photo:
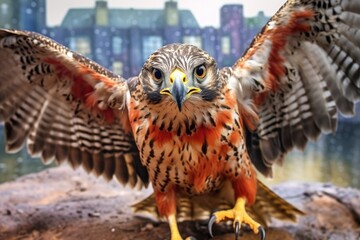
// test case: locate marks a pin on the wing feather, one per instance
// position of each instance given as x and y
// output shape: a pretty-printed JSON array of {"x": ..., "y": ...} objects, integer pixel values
[
  {"x": 66, "y": 108},
  {"x": 300, "y": 71}
]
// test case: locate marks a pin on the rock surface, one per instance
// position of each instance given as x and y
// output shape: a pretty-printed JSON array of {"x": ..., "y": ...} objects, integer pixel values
[{"x": 63, "y": 204}]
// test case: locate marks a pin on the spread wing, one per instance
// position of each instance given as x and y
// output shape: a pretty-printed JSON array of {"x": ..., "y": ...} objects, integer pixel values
[
  {"x": 65, "y": 107},
  {"x": 299, "y": 73}
]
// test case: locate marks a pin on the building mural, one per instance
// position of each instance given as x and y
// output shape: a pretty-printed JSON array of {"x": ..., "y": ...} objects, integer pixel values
[{"x": 122, "y": 39}]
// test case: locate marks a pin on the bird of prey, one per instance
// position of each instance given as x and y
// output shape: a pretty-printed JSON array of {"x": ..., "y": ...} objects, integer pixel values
[{"x": 183, "y": 124}]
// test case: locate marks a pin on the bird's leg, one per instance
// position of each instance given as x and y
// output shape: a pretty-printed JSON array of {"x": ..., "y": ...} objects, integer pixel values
[
  {"x": 175, "y": 234},
  {"x": 166, "y": 204}
]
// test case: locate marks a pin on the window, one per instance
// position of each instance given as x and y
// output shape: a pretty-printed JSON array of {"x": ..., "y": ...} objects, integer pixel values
[
  {"x": 117, "y": 67},
  {"x": 4, "y": 8},
  {"x": 117, "y": 44},
  {"x": 225, "y": 45},
  {"x": 81, "y": 45},
  {"x": 150, "y": 44},
  {"x": 193, "y": 40}
]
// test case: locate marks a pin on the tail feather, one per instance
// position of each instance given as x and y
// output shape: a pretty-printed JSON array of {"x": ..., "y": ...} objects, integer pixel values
[{"x": 267, "y": 205}]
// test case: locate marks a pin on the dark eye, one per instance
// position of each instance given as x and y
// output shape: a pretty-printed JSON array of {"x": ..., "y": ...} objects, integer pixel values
[
  {"x": 200, "y": 72},
  {"x": 157, "y": 74}
]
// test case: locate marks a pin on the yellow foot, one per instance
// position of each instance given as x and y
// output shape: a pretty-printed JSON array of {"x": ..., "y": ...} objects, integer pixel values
[
  {"x": 239, "y": 215},
  {"x": 175, "y": 235}
]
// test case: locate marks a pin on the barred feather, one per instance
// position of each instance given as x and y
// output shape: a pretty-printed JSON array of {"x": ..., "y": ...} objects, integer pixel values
[
  {"x": 63, "y": 106},
  {"x": 301, "y": 70}
]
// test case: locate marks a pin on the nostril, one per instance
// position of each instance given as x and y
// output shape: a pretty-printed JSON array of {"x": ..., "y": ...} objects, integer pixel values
[
  {"x": 171, "y": 80},
  {"x": 184, "y": 79}
]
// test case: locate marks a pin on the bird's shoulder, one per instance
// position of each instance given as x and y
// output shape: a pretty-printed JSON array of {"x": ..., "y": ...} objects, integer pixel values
[{"x": 225, "y": 74}]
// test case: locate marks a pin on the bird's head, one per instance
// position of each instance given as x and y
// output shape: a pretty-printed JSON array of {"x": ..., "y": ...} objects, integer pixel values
[{"x": 180, "y": 73}]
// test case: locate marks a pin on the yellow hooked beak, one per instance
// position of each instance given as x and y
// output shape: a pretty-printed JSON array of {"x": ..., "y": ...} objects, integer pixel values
[{"x": 179, "y": 89}]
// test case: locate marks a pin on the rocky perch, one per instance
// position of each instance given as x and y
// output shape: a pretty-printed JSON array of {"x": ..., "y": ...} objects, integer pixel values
[{"x": 59, "y": 203}]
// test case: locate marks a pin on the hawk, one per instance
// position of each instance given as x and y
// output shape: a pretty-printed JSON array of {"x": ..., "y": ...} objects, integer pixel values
[{"x": 184, "y": 125}]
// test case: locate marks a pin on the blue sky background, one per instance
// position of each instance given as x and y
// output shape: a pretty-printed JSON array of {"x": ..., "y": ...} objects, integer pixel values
[{"x": 205, "y": 11}]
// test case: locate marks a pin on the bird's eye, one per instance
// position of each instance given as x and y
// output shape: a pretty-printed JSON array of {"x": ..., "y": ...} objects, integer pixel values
[
  {"x": 200, "y": 72},
  {"x": 157, "y": 74}
]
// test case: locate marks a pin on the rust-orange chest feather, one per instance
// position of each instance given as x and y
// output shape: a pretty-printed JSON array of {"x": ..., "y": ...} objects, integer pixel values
[{"x": 195, "y": 149}]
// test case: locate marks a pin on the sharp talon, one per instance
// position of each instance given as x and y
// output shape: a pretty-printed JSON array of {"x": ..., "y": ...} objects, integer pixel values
[
  {"x": 212, "y": 220},
  {"x": 262, "y": 233},
  {"x": 237, "y": 230},
  {"x": 190, "y": 238}
]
